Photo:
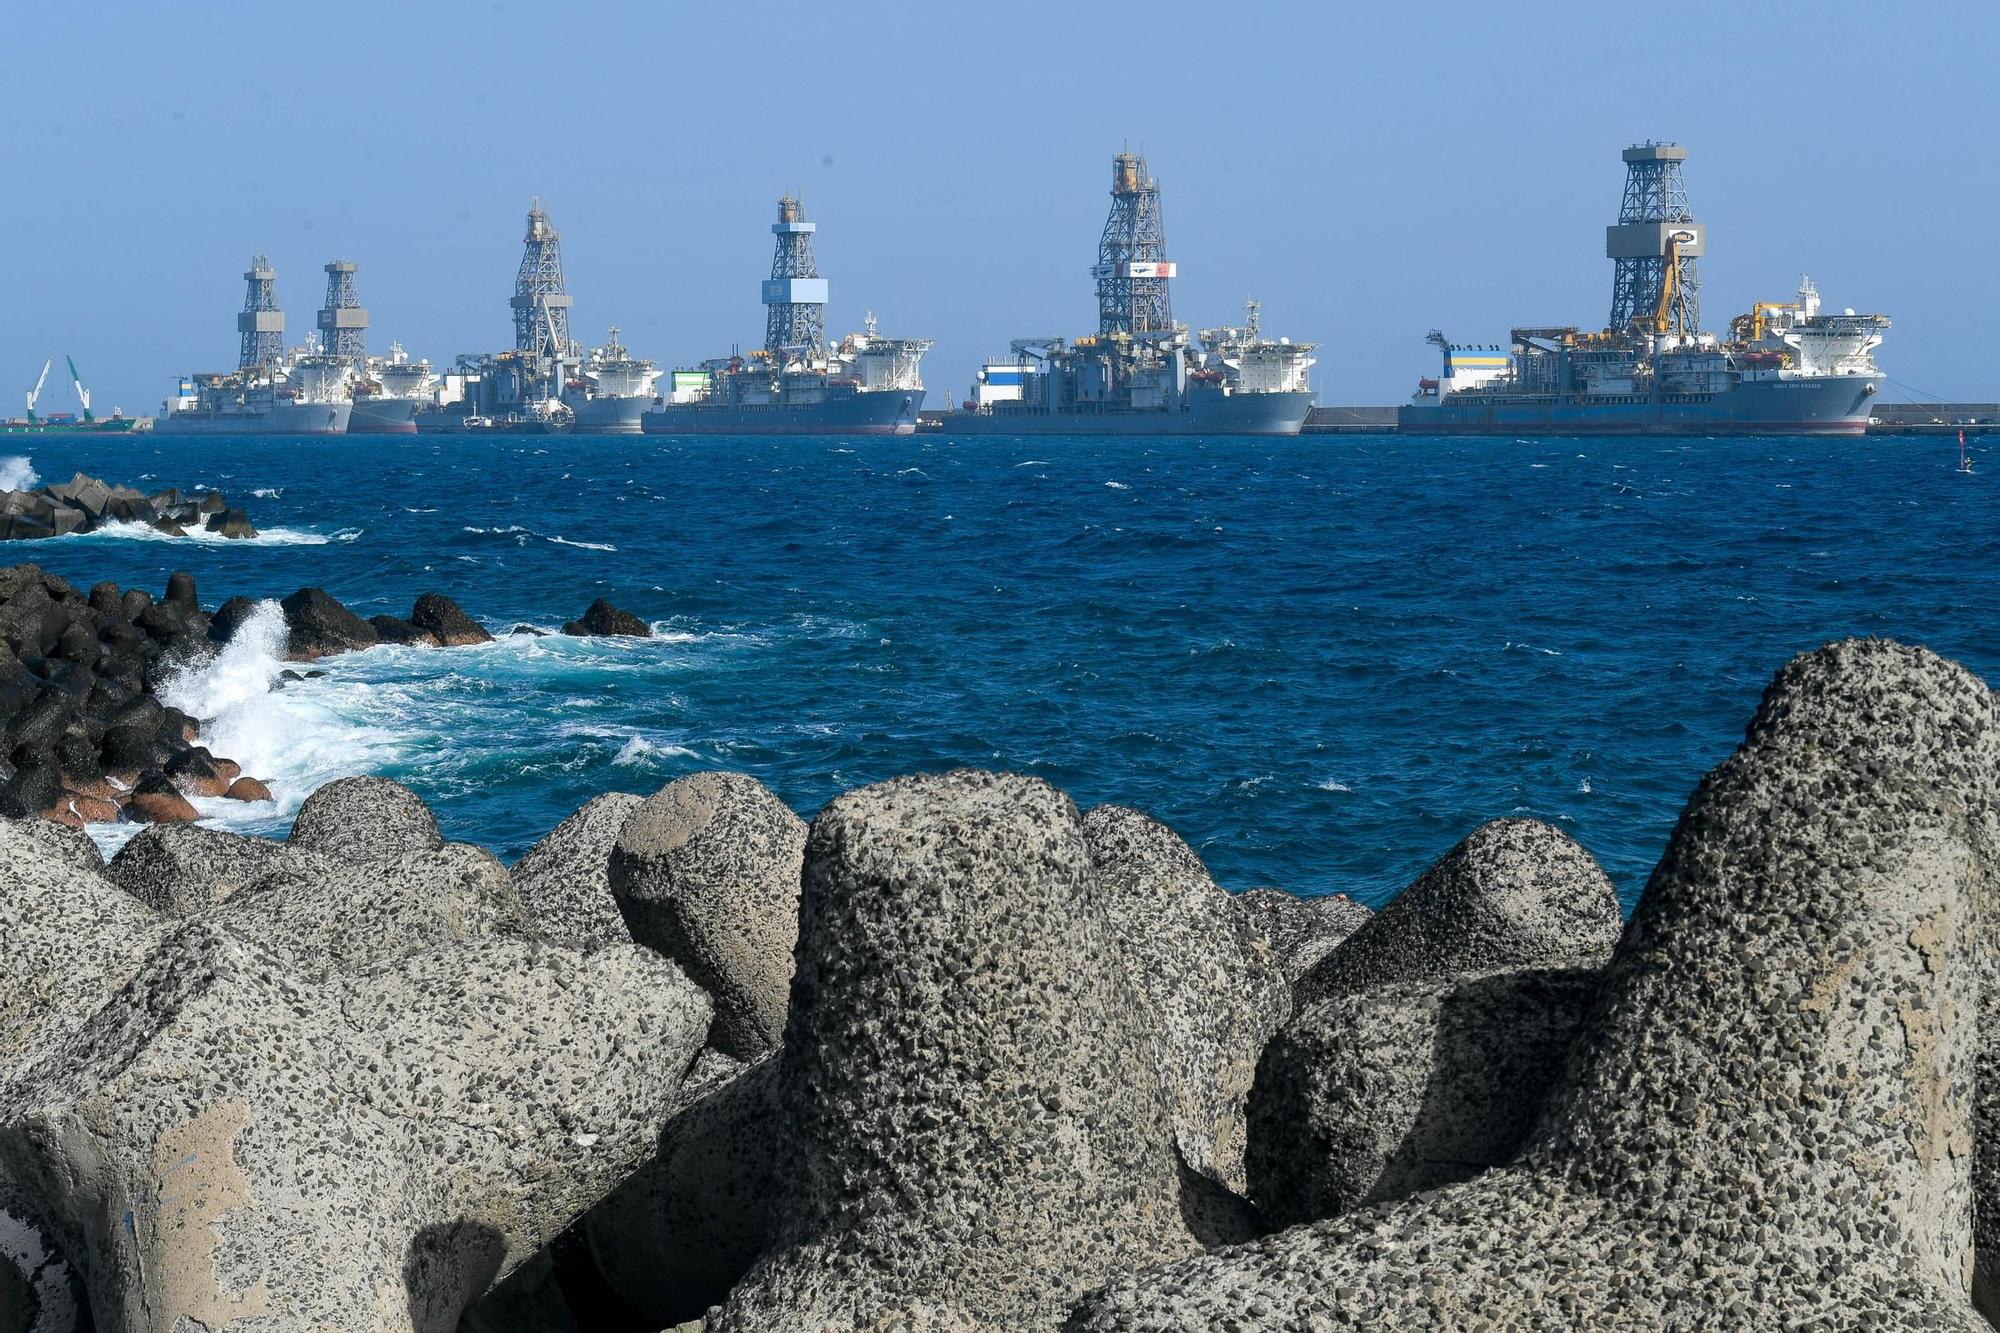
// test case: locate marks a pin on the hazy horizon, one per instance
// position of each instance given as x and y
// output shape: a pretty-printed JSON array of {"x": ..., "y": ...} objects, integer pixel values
[{"x": 1367, "y": 176}]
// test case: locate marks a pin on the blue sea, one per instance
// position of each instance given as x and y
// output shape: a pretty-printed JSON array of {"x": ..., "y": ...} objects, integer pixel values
[{"x": 1321, "y": 660}]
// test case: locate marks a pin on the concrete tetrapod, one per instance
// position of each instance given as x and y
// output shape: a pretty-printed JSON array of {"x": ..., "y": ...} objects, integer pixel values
[
  {"x": 707, "y": 872},
  {"x": 1210, "y": 987},
  {"x": 1766, "y": 1121},
  {"x": 226, "y": 1141},
  {"x": 970, "y": 1130},
  {"x": 1438, "y": 1028}
]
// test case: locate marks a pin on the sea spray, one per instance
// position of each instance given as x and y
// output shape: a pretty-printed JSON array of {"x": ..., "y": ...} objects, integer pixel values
[
  {"x": 17, "y": 474},
  {"x": 291, "y": 735}
]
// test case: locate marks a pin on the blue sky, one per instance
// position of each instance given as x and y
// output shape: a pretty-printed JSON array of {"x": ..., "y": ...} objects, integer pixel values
[{"x": 1367, "y": 173}]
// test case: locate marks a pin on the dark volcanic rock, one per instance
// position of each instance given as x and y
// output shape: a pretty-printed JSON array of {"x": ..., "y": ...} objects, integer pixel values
[
  {"x": 232, "y": 523},
  {"x": 970, "y": 1127},
  {"x": 388, "y": 629},
  {"x": 707, "y": 872},
  {"x": 320, "y": 626},
  {"x": 365, "y": 819},
  {"x": 223, "y": 624},
  {"x": 1766, "y": 1120},
  {"x": 181, "y": 592},
  {"x": 565, "y": 879},
  {"x": 603, "y": 618},
  {"x": 440, "y": 617}
]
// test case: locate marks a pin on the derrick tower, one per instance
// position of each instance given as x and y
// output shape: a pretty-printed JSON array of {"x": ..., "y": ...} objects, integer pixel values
[
  {"x": 795, "y": 293},
  {"x": 343, "y": 324},
  {"x": 262, "y": 324},
  {"x": 1655, "y": 234},
  {"x": 541, "y": 305},
  {"x": 1132, "y": 270}
]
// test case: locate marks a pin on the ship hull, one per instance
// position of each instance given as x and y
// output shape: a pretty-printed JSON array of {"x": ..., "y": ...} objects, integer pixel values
[
  {"x": 887, "y": 412},
  {"x": 1833, "y": 405},
  {"x": 383, "y": 416},
  {"x": 111, "y": 426},
  {"x": 1204, "y": 414},
  {"x": 283, "y": 419},
  {"x": 451, "y": 423},
  {"x": 617, "y": 415}
]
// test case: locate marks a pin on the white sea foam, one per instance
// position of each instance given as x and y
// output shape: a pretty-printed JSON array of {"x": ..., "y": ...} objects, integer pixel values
[
  {"x": 268, "y": 492},
  {"x": 1117, "y": 485},
  {"x": 140, "y": 532},
  {"x": 638, "y": 751},
  {"x": 17, "y": 473},
  {"x": 587, "y": 546},
  {"x": 1332, "y": 784},
  {"x": 292, "y": 739}
]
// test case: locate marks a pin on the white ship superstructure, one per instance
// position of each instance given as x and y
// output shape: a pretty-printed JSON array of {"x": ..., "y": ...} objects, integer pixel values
[
  {"x": 614, "y": 389},
  {"x": 388, "y": 394},
  {"x": 877, "y": 364},
  {"x": 1253, "y": 363}
]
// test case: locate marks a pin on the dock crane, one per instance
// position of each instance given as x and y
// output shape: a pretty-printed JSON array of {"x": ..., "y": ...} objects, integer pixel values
[
  {"x": 35, "y": 394},
  {"x": 82, "y": 394},
  {"x": 1669, "y": 315}
]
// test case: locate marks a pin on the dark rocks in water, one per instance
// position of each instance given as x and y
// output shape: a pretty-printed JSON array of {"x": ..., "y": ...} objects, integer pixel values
[
  {"x": 247, "y": 789},
  {"x": 1210, "y": 992},
  {"x": 388, "y": 629},
  {"x": 155, "y": 800},
  {"x": 528, "y": 630},
  {"x": 603, "y": 618},
  {"x": 565, "y": 879},
  {"x": 180, "y": 591},
  {"x": 232, "y": 523},
  {"x": 441, "y": 618},
  {"x": 706, "y": 871},
  {"x": 969, "y": 1121},
  {"x": 365, "y": 820},
  {"x": 229, "y": 616},
  {"x": 319, "y": 626},
  {"x": 194, "y": 772},
  {"x": 1766, "y": 1119},
  {"x": 83, "y": 504}
]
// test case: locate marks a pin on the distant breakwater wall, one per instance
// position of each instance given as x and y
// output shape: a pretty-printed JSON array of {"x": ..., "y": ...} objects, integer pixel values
[{"x": 957, "y": 1056}]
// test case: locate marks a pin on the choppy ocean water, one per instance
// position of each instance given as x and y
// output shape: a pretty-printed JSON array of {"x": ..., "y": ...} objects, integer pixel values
[{"x": 1321, "y": 660}]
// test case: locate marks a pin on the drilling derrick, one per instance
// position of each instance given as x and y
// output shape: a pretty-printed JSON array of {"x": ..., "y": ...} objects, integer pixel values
[
  {"x": 1654, "y": 245},
  {"x": 541, "y": 305},
  {"x": 343, "y": 324},
  {"x": 795, "y": 322},
  {"x": 1132, "y": 269},
  {"x": 262, "y": 324}
]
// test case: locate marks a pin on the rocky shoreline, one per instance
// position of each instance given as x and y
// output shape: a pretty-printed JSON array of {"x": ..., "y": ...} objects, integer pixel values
[
  {"x": 85, "y": 504},
  {"x": 84, "y": 735},
  {"x": 957, "y": 1056}
]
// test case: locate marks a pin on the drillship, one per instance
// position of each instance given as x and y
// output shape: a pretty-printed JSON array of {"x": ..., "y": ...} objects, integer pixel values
[
  {"x": 795, "y": 384},
  {"x": 389, "y": 392},
  {"x": 613, "y": 390},
  {"x": 264, "y": 395},
  {"x": 70, "y": 423},
  {"x": 1784, "y": 369},
  {"x": 1139, "y": 374}
]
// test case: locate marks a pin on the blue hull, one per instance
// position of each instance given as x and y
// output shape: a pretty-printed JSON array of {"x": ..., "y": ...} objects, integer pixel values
[
  {"x": 887, "y": 412},
  {"x": 1834, "y": 405},
  {"x": 1204, "y": 414}
]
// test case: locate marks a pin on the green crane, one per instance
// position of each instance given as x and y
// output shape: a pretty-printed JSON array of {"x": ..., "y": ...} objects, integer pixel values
[{"x": 82, "y": 394}]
